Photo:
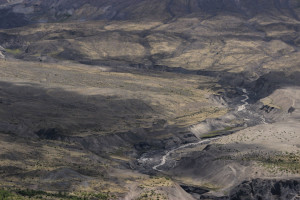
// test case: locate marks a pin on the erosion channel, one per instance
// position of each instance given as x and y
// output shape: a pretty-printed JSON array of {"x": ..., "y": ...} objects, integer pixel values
[{"x": 164, "y": 162}]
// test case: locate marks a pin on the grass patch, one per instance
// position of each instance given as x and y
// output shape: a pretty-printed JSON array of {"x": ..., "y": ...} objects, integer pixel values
[
  {"x": 13, "y": 51},
  {"x": 196, "y": 117},
  {"x": 37, "y": 194},
  {"x": 5, "y": 194},
  {"x": 216, "y": 133},
  {"x": 210, "y": 135},
  {"x": 288, "y": 162}
]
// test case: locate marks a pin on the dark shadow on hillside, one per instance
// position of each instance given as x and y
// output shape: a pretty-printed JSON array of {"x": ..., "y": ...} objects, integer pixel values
[
  {"x": 27, "y": 109},
  {"x": 9, "y": 19},
  {"x": 97, "y": 123},
  {"x": 259, "y": 88},
  {"x": 268, "y": 83}
]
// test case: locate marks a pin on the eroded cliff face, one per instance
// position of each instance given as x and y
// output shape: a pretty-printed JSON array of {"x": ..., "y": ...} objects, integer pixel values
[
  {"x": 267, "y": 189},
  {"x": 262, "y": 189}
]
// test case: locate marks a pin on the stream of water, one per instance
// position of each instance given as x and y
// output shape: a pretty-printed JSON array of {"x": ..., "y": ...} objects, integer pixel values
[
  {"x": 244, "y": 101},
  {"x": 164, "y": 158},
  {"x": 206, "y": 141}
]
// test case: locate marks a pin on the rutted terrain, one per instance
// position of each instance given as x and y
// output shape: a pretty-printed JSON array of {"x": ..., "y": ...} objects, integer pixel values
[{"x": 187, "y": 103}]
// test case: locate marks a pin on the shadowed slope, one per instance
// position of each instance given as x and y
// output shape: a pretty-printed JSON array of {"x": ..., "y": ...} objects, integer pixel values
[{"x": 53, "y": 11}]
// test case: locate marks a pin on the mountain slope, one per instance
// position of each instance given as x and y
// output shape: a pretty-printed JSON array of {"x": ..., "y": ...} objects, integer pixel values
[
  {"x": 18, "y": 13},
  {"x": 97, "y": 96}
]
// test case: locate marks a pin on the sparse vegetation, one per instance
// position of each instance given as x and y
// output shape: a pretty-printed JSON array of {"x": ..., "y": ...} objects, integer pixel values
[
  {"x": 13, "y": 51},
  {"x": 5, "y": 195},
  {"x": 81, "y": 99},
  {"x": 289, "y": 163},
  {"x": 216, "y": 133},
  {"x": 35, "y": 194}
]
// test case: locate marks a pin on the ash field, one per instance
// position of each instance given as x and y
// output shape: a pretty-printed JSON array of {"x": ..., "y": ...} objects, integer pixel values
[{"x": 140, "y": 99}]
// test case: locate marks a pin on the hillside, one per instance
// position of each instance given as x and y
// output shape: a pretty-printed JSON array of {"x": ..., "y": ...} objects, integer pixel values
[
  {"x": 143, "y": 99},
  {"x": 22, "y": 12}
]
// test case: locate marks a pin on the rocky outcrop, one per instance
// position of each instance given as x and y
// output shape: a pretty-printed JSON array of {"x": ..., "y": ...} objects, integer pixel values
[
  {"x": 194, "y": 191},
  {"x": 1, "y": 55},
  {"x": 259, "y": 189},
  {"x": 2, "y": 50},
  {"x": 267, "y": 189}
]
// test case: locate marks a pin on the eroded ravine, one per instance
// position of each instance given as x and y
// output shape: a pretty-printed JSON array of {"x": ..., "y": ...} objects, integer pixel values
[
  {"x": 165, "y": 157},
  {"x": 148, "y": 158}
]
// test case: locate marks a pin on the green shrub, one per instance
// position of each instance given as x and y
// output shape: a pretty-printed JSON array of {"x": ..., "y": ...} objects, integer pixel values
[{"x": 4, "y": 194}]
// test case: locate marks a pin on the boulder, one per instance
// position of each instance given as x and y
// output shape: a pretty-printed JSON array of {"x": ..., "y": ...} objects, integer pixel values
[
  {"x": 2, "y": 56},
  {"x": 1, "y": 48}
]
